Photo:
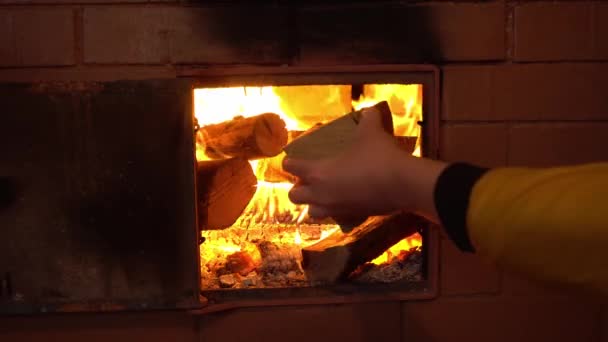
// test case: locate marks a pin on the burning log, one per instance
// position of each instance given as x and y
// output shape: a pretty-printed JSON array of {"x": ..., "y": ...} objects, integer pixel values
[
  {"x": 241, "y": 263},
  {"x": 224, "y": 188},
  {"x": 333, "y": 137},
  {"x": 255, "y": 137},
  {"x": 272, "y": 170},
  {"x": 336, "y": 256}
]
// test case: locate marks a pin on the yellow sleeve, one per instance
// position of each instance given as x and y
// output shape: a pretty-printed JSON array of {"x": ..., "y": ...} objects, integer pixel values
[{"x": 550, "y": 224}]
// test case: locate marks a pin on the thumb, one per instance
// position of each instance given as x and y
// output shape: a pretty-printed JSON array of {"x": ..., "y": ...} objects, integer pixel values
[
  {"x": 298, "y": 167},
  {"x": 371, "y": 122}
]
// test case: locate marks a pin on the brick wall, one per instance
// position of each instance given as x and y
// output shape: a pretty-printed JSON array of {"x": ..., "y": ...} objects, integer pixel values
[{"x": 524, "y": 83}]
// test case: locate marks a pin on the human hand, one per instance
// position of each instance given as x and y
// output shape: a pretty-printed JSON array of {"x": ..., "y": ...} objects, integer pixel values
[{"x": 365, "y": 180}]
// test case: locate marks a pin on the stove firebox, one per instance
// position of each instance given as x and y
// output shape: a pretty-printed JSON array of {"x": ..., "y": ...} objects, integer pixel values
[{"x": 257, "y": 256}]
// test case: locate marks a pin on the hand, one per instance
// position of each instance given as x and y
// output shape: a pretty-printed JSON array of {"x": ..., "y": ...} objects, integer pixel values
[{"x": 365, "y": 180}]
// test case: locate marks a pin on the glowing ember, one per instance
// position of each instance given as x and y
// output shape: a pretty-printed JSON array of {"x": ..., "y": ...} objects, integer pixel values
[{"x": 301, "y": 107}]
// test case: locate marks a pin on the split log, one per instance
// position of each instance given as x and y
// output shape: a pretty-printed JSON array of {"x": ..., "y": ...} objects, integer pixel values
[
  {"x": 335, "y": 136},
  {"x": 256, "y": 137},
  {"x": 224, "y": 188},
  {"x": 336, "y": 256}
]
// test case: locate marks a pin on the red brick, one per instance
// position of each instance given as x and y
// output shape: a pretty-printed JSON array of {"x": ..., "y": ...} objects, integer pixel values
[
  {"x": 89, "y": 73},
  {"x": 401, "y": 34},
  {"x": 605, "y": 324},
  {"x": 67, "y": 2},
  {"x": 358, "y": 322},
  {"x": 36, "y": 37},
  {"x": 465, "y": 273},
  {"x": 565, "y": 91},
  {"x": 482, "y": 144},
  {"x": 547, "y": 144},
  {"x": 500, "y": 319},
  {"x": 148, "y": 327},
  {"x": 469, "y": 32},
  {"x": 517, "y": 285},
  {"x": 154, "y": 35},
  {"x": 600, "y": 21},
  {"x": 466, "y": 93},
  {"x": 554, "y": 31}
]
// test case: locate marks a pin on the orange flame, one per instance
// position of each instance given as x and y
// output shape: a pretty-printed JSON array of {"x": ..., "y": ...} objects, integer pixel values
[
  {"x": 405, "y": 245},
  {"x": 301, "y": 107},
  {"x": 405, "y": 101},
  {"x": 297, "y": 238}
]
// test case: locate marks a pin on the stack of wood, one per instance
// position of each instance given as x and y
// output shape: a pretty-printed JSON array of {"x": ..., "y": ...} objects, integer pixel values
[
  {"x": 226, "y": 184},
  {"x": 256, "y": 137}
]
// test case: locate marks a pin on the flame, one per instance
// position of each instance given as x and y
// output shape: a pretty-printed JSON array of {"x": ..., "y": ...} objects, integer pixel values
[
  {"x": 405, "y": 102},
  {"x": 301, "y": 107},
  {"x": 405, "y": 245}
]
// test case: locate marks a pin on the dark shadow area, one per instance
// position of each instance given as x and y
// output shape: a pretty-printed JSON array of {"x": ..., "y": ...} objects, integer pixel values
[
  {"x": 8, "y": 192},
  {"x": 317, "y": 32},
  {"x": 133, "y": 234},
  {"x": 105, "y": 212},
  {"x": 368, "y": 33}
]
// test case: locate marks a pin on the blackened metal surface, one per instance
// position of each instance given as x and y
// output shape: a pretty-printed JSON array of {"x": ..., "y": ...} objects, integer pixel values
[{"x": 101, "y": 210}]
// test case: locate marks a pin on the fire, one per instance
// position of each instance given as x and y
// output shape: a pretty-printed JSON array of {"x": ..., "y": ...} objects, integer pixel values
[
  {"x": 297, "y": 238},
  {"x": 405, "y": 101},
  {"x": 301, "y": 107},
  {"x": 405, "y": 245}
]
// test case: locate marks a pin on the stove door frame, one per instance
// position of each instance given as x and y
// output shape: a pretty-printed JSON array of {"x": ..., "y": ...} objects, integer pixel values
[{"x": 428, "y": 76}]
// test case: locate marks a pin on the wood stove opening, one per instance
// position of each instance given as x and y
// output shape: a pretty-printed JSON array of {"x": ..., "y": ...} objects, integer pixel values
[{"x": 251, "y": 236}]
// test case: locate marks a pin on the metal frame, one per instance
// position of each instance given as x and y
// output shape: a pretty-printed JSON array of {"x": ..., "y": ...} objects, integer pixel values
[{"x": 428, "y": 76}]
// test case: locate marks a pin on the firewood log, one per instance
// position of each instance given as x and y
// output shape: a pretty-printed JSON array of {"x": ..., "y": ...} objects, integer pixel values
[
  {"x": 224, "y": 188},
  {"x": 255, "y": 137},
  {"x": 333, "y": 137},
  {"x": 272, "y": 171},
  {"x": 336, "y": 256}
]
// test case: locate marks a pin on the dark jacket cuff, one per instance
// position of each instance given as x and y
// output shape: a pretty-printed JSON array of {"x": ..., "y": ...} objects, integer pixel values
[{"x": 451, "y": 195}]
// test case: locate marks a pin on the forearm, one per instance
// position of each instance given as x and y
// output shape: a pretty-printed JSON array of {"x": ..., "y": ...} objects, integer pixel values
[
  {"x": 416, "y": 181},
  {"x": 547, "y": 223}
]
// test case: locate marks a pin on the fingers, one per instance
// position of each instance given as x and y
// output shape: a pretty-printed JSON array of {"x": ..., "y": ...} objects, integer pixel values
[
  {"x": 318, "y": 212},
  {"x": 301, "y": 194},
  {"x": 371, "y": 118},
  {"x": 371, "y": 122},
  {"x": 298, "y": 167}
]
